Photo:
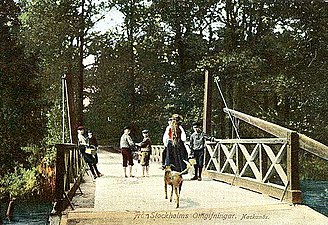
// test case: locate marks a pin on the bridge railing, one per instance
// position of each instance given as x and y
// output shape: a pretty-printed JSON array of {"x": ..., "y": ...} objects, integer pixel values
[
  {"x": 266, "y": 165},
  {"x": 70, "y": 168},
  {"x": 305, "y": 142},
  {"x": 156, "y": 153},
  {"x": 262, "y": 165}
]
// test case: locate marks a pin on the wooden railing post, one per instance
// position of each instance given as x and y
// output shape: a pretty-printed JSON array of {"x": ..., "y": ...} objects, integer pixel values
[
  {"x": 60, "y": 173},
  {"x": 66, "y": 163},
  {"x": 68, "y": 170},
  {"x": 207, "y": 114},
  {"x": 157, "y": 152},
  {"x": 263, "y": 162},
  {"x": 239, "y": 161},
  {"x": 294, "y": 193}
]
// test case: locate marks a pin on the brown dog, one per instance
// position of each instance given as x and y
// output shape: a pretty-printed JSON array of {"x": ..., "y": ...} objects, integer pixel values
[{"x": 175, "y": 180}]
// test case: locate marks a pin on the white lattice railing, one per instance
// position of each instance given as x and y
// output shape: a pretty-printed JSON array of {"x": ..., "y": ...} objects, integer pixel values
[
  {"x": 258, "y": 164},
  {"x": 157, "y": 152}
]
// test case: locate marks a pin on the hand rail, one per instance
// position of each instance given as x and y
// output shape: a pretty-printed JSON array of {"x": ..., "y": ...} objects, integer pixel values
[
  {"x": 305, "y": 142},
  {"x": 70, "y": 168}
]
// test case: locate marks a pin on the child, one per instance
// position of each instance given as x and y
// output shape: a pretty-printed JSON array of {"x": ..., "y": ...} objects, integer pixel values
[
  {"x": 197, "y": 147},
  {"x": 145, "y": 153}
]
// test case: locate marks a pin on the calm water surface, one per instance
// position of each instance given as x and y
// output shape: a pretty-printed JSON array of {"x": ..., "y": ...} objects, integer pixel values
[
  {"x": 29, "y": 213},
  {"x": 314, "y": 193}
]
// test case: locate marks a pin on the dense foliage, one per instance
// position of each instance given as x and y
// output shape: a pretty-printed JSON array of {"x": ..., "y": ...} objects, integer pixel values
[
  {"x": 270, "y": 57},
  {"x": 22, "y": 111}
]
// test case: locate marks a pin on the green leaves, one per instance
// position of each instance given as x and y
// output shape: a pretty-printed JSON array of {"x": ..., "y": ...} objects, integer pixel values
[
  {"x": 22, "y": 111},
  {"x": 21, "y": 183}
]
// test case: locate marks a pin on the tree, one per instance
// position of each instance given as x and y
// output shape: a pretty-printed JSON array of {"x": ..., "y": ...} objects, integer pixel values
[{"x": 22, "y": 114}]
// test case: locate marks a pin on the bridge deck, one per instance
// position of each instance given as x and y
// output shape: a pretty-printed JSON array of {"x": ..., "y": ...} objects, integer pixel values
[{"x": 141, "y": 200}]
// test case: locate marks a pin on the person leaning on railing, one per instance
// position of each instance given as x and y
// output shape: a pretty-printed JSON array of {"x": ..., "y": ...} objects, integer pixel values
[
  {"x": 93, "y": 144},
  {"x": 88, "y": 157}
]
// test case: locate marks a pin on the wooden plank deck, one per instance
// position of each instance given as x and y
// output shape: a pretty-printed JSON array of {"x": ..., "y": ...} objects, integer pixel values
[{"x": 141, "y": 200}]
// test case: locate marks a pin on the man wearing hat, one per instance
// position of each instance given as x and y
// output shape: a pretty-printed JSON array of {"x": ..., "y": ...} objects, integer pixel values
[
  {"x": 126, "y": 146},
  {"x": 197, "y": 147},
  {"x": 145, "y": 152},
  {"x": 83, "y": 143}
]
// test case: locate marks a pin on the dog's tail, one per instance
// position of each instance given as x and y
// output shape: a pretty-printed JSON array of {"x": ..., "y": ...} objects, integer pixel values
[{"x": 185, "y": 171}]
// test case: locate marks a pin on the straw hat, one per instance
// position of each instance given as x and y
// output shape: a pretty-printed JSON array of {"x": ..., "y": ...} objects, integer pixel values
[{"x": 176, "y": 117}]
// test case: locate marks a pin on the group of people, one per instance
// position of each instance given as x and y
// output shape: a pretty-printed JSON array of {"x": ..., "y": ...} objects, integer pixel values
[
  {"x": 174, "y": 154},
  {"x": 143, "y": 149},
  {"x": 88, "y": 147}
]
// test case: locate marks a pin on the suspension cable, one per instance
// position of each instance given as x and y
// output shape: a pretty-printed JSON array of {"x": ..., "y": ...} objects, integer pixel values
[
  {"x": 217, "y": 80},
  {"x": 68, "y": 113},
  {"x": 63, "y": 108}
]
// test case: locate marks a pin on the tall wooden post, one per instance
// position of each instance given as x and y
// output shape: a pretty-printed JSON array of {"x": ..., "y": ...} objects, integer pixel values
[
  {"x": 207, "y": 115},
  {"x": 60, "y": 184},
  {"x": 294, "y": 193}
]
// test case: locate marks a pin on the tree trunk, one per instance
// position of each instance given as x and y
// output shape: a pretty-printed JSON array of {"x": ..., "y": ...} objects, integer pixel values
[
  {"x": 286, "y": 113},
  {"x": 81, "y": 68},
  {"x": 132, "y": 76}
]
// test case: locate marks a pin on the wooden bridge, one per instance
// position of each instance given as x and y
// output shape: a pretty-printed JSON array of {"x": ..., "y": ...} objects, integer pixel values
[{"x": 248, "y": 181}]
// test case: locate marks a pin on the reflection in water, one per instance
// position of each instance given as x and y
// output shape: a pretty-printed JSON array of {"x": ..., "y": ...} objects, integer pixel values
[{"x": 36, "y": 213}]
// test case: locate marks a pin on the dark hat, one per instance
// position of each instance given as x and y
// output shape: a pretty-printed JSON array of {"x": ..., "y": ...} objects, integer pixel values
[
  {"x": 127, "y": 127},
  {"x": 145, "y": 131},
  {"x": 196, "y": 125},
  {"x": 80, "y": 127}
]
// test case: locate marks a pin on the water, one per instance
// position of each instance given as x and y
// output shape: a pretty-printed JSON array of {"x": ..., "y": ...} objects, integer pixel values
[
  {"x": 315, "y": 195},
  {"x": 28, "y": 213}
]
